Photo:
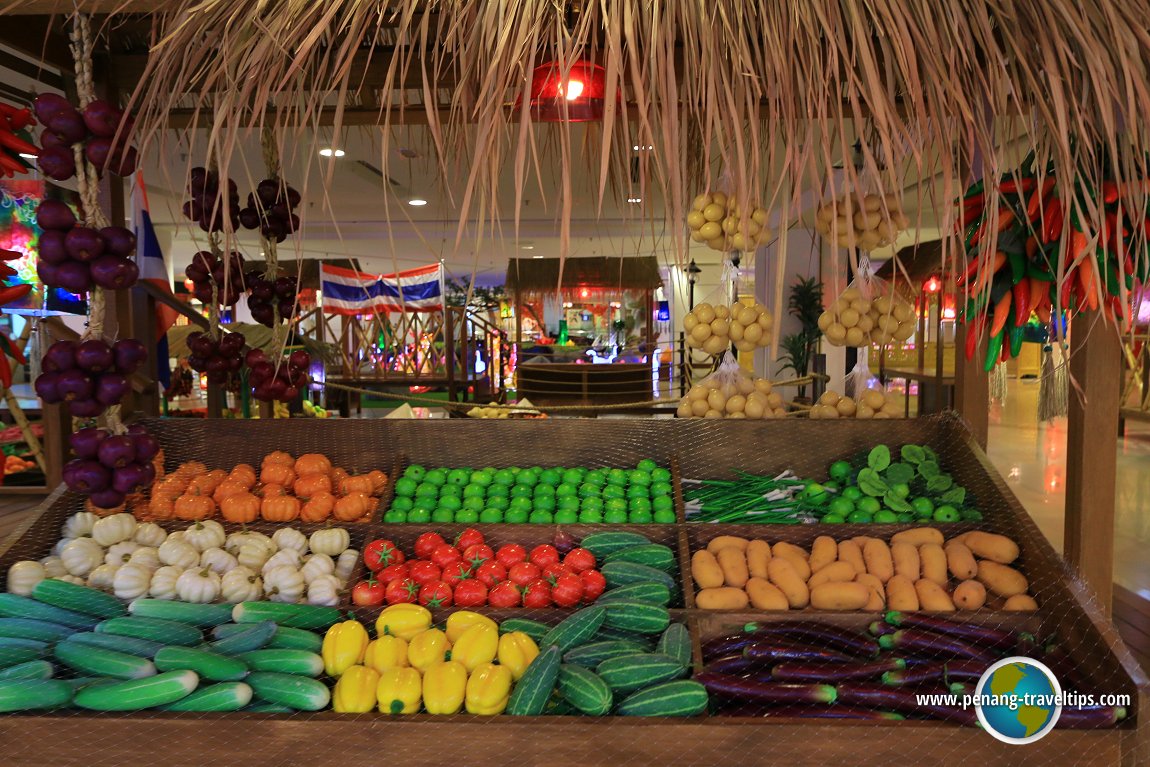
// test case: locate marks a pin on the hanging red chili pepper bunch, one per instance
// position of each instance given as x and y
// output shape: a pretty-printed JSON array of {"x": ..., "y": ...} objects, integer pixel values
[{"x": 14, "y": 140}]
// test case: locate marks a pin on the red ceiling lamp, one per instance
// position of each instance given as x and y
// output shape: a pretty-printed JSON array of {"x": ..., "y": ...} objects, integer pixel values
[
  {"x": 580, "y": 96},
  {"x": 932, "y": 285}
]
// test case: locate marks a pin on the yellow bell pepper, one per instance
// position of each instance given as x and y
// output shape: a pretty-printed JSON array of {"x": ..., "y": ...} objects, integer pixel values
[
  {"x": 476, "y": 646},
  {"x": 399, "y": 691},
  {"x": 516, "y": 651},
  {"x": 444, "y": 687},
  {"x": 386, "y": 652},
  {"x": 488, "y": 689},
  {"x": 355, "y": 691},
  {"x": 427, "y": 647},
  {"x": 460, "y": 621},
  {"x": 403, "y": 621},
  {"x": 343, "y": 646}
]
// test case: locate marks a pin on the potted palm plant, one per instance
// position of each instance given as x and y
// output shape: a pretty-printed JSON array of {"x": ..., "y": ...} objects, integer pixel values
[{"x": 805, "y": 303}]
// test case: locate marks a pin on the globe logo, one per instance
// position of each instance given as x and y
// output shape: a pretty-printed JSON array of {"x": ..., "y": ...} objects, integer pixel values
[{"x": 1018, "y": 700}]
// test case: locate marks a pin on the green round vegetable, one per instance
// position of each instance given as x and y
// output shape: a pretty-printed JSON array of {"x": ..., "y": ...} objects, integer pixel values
[
  {"x": 560, "y": 517},
  {"x": 515, "y": 517},
  {"x": 395, "y": 517},
  {"x": 840, "y": 471},
  {"x": 885, "y": 517},
  {"x": 860, "y": 517},
  {"x": 491, "y": 516},
  {"x": 833, "y": 519},
  {"x": 946, "y": 513}
]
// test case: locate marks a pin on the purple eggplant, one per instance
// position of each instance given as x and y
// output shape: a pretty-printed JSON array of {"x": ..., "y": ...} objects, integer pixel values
[
  {"x": 832, "y": 673},
  {"x": 775, "y": 651},
  {"x": 950, "y": 671},
  {"x": 901, "y": 700},
  {"x": 737, "y": 664},
  {"x": 726, "y": 645},
  {"x": 726, "y": 686},
  {"x": 933, "y": 645},
  {"x": 1090, "y": 717},
  {"x": 837, "y": 711},
  {"x": 881, "y": 628},
  {"x": 823, "y": 635},
  {"x": 982, "y": 636}
]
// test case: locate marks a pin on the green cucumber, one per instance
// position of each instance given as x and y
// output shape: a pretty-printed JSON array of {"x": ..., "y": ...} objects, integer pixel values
[
  {"x": 28, "y": 628},
  {"x": 28, "y": 694},
  {"x": 145, "y": 648},
  {"x": 628, "y": 673},
  {"x": 14, "y": 650},
  {"x": 256, "y": 637},
  {"x": 584, "y": 690},
  {"x": 137, "y": 694},
  {"x": 533, "y": 629},
  {"x": 675, "y": 642},
  {"x": 204, "y": 616},
  {"x": 607, "y": 634},
  {"x": 267, "y": 708},
  {"x": 575, "y": 629},
  {"x": 592, "y": 654},
  {"x": 15, "y": 606},
  {"x": 298, "y": 692},
  {"x": 33, "y": 669},
  {"x": 652, "y": 593},
  {"x": 534, "y": 688},
  {"x": 80, "y": 599},
  {"x": 650, "y": 554},
  {"x": 225, "y": 696},
  {"x": 101, "y": 661},
  {"x": 284, "y": 661},
  {"x": 627, "y": 573},
  {"x": 209, "y": 665},
  {"x": 684, "y": 697},
  {"x": 285, "y": 638},
  {"x": 80, "y": 682},
  {"x": 604, "y": 544},
  {"x": 293, "y": 616},
  {"x": 640, "y": 617},
  {"x": 152, "y": 629}
]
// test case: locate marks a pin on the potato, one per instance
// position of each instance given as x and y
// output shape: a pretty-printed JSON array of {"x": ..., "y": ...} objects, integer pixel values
[
  {"x": 996, "y": 548},
  {"x": 932, "y": 597},
  {"x": 878, "y": 591},
  {"x": 782, "y": 573},
  {"x": 969, "y": 595},
  {"x": 796, "y": 555},
  {"x": 758, "y": 555},
  {"x": 765, "y": 595},
  {"x": 905, "y": 558},
  {"x": 876, "y": 554},
  {"x": 734, "y": 565},
  {"x": 918, "y": 536},
  {"x": 1021, "y": 603},
  {"x": 932, "y": 559},
  {"x": 705, "y": 570},
  {"x": 1000, "y": 579},
  {"x": 723, "y": 541},
  {"x": 722, "y": 598},
  {"x": 840, "y": 596},
  {"x": 960, "y": 561},
  {"x": 901, "y": 594},
  {"x": 834, "y": 572},
  {"x": 824, "y": 550},
  {"x": 849, "y": 551}
]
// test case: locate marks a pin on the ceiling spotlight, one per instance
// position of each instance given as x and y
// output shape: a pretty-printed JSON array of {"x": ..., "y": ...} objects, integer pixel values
[
  {"x": 634, "y": 200},
  {"x": 537, "y": 256},
  {"x": 647, "y": 148},
  {"x": 527, "y": 247},
  {"x": 417, "y": 202},
  {"x": 329, "y": 152},
  {"x": 28, "y": 156}
]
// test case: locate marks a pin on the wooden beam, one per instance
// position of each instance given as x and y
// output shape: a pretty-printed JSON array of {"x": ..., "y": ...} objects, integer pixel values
[
  {"x": 66, "y": 7},
  {"x": 972, "y": 385},
  {"x": 1091, "y": 453}
]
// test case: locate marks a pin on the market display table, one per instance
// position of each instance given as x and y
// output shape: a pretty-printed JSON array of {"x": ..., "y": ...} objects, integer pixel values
[
  {"x": 935, "y": 393},
  {"x": 563, "y": 383}
]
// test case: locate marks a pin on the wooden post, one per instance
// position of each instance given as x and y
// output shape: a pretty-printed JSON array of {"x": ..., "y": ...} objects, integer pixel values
[
  {"x": 1091, "y": 455},
  {"x": 972, "y": 386},
  {"x": 449, "y": 350}
]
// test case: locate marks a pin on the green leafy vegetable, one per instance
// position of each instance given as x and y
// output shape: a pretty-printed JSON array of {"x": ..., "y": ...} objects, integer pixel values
[
  {"x": 899, "y": 473},
  {"x": 913, "y": 454},
  {"x": 894, "y": 503},
  {"x": 955, "y": 496},
  {"x": 929, "y": 469},
  {"x": 930, "y": 454},
  {"x": 871, "y": 483},
  {"x": 940, "y": 483},
  {"x": 879, "y": 457}
]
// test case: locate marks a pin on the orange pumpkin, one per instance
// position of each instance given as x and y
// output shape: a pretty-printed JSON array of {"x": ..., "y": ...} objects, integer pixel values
[
  {"x": 278, "y": 474},
  {"x": 337, "y": 476},
  {"x": 241, "y": 507},
  {"x": 190, "y": 469},
  {"x": 243, "y": 474},
  {"x": 356, "y": 484},
  {"x": 378, "y": 481},
  {"x": 158, "y": 465},
  {"x": 226, "y": 489},
  {"x": 207, "y": 483},
  {"x": 310, "y": 484},
  {"x": 279, "y": 457},
  {"x": 317, "y": 508},
  {"x": 351, "y": 507},
  {"x": 280, "y": 509},
  {"x": 193, "y": 506},
  {"x": 270, "y": 490},
  {"x": 312, "y": 463}
]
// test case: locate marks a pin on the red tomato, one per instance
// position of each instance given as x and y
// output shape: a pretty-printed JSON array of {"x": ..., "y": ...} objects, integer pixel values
[
  {"x": 453, "y": 574},
  {"x": 537, "y": 594},
  {"x": 478, "y": 554},
  {"x": 433, "y": 595},
  {"x": 470, "y": 593},
  {"x": 381, "y": 553},
  {"x": 368, "y": 593},
  {"x": 403, "y": 591},
  {"x": 491, "y": 573},
  {"x": 593, "y": 584},
  {"x": 469, "y": 537},
  {"x": 544, "y": 555},
  {"x": 394, "y": 573},
  {"x": 523, "y": 573},
  {"x": 504, "y": 595},
  {"x": 553, "y": 572},
  {"x": 579, "y": 560},
  {"x": 567, "y": 590},
  {"x": 511, "y": 554},
  {"x": 426, "y": 543},
  {"x": 423, "y": 572},
  {"x": 446, "y": 555}
]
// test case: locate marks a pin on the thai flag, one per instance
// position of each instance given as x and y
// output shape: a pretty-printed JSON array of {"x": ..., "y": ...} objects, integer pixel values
[
  {"x": 153, "y": 268},
  {"x": 346, "y": 291}
]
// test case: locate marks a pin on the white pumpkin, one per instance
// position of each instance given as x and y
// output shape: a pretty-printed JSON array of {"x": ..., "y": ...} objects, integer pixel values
[
  {"x": 53, "y": 567},
  {"x": 315, "y": 566},
  {"x": 82, "y": 556},
  {"x": 290, "y": 538},
  {"x": 200, "y": 585},
  {"x": 253, "y": 555},
  {"x": 61, "y": 544},
  {"x": 205, "y": 535},
  {"x": 218, "y": 560},
  {"x": 283, "y": 584},
  {"x": 70, "y": 579},
  {"x": 163, "y": 585},
  {"x": 150, "y": 534},
  {"x": 146, "y": 556},
  {"x": 113, "y": 529},
  {"x": 119, "y": 553},
  {"x": 331, "y": 541},
  {"x": 131, "y": 581},
  {"x": 235, "y": 541},
  {"x": 288, "y": 557},
  {"x": 24, "y": 575},
  {"x": 79, "y": 525},
  {"x": 241, "y": 584},
  {"x": 103, "y": 577},
  {"x": 176, "y": 536},
  {"x": 178, "y": 553},
  {"x": 346, "y": 564},
  {"x": 324, "y": 590}
]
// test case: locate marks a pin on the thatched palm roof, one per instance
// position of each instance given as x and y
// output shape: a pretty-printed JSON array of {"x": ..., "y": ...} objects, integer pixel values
[{"x": 542, "y": 275}]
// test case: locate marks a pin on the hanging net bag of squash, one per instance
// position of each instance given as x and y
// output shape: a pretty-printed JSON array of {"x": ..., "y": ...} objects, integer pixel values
[
  {"x": 730, "y": 393},
  {"x": 720, "y": 321}
]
